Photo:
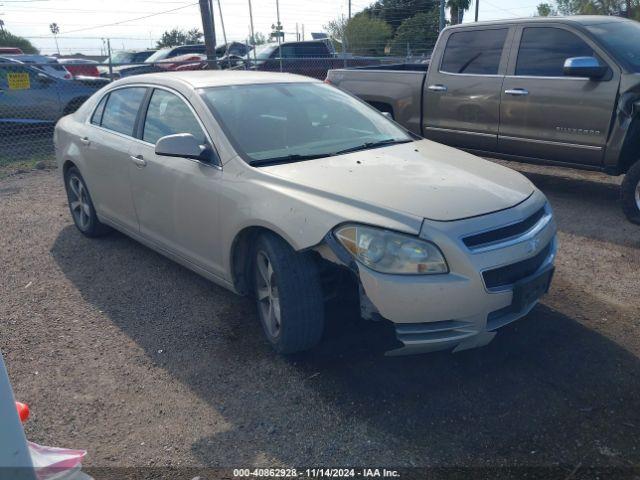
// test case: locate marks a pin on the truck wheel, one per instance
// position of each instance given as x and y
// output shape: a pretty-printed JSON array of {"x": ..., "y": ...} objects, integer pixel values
[
  {"x": 631, "y": 194},
  {"x": 81, "y": 206},
  {"x": 288, "y": 295}
]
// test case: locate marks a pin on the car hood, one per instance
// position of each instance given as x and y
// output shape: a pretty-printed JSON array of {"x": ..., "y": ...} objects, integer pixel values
[{"x": 422, "y": 178}]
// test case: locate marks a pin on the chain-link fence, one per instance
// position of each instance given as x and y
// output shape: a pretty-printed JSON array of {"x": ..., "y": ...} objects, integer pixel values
[{"x": 34, "y": 96}]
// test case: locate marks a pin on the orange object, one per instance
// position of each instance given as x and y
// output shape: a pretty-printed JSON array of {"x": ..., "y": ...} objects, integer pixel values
[{"x": 23, "y": 411}]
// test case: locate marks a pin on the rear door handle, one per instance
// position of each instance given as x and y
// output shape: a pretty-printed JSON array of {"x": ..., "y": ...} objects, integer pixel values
[
  {"x": 519, "y": 92},
  {"x": 138, "y": 160},
  {"x": 85, "y": 141},
  {"x": 437, "y": 88}
]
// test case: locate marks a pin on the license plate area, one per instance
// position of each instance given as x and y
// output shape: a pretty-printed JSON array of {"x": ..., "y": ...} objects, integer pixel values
[{"x": 530, "y": 289}]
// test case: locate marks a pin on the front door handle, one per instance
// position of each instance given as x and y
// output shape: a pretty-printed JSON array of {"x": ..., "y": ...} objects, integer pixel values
[
  {"x": 138, "y": 160},
  {"x": 519, "y": 92},
  {"x": 85, "y": 141},
  {"x": 437, "y": 88}
]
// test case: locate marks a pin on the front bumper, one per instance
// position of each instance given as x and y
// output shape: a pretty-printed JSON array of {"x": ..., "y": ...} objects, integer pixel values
[{"x": 458, "y": 310}]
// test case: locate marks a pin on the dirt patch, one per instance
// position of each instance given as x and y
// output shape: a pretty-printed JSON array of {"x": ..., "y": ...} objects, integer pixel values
[{"x": 121, "y": 352}]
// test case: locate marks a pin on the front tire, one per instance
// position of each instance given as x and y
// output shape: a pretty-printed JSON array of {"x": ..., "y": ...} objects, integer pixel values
[
  {"x": 81, "y": 206},
  {"x": 631, "y": 194},
  {"x": 288, "y": 295}
]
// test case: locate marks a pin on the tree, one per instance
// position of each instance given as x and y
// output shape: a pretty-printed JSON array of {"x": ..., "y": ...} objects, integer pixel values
[
  {"x": 335, "y": 28},
  {"x": 394, "y": 12},
  {"x": 258, "y": 39},
  {"x": 366, "y": 36},
  {"x": 8, "y": 39},
  {"x": 624, "y": 8},
  {"x": 177, "y": 37},
  {"x": 55, "y": 30},
  {"x": 457, "y": 9},
  {"x": 416, "y": 35},
  {"x": 546, "y": 10}
]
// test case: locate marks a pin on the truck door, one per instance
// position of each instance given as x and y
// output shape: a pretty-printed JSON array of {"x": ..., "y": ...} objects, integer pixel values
[
  {"x": 547, "y": 115},
  {"x": 462, "y": 91}
]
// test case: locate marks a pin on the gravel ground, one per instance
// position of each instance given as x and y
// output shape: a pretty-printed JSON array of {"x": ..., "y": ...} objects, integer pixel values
[{"x": 121, "y": 352}]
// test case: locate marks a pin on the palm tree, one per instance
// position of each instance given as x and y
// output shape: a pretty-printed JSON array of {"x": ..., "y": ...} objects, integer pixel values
[{"x": 457, "y": 9}]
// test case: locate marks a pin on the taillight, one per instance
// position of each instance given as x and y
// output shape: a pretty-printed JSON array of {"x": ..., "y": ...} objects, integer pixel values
[{"x": 23, "y": 411}]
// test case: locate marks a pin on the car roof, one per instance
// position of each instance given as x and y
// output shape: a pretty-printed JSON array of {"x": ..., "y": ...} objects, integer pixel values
[
  {"x": 574, "y": 19},
  {"x": 214, "y": 78}
]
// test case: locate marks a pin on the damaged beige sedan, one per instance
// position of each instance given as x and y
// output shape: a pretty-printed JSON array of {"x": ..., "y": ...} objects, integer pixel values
[{"x": 289, "y": 190}]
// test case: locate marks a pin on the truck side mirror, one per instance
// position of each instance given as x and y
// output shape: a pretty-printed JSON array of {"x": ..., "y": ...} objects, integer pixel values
[{"x": 588, "y": 67}]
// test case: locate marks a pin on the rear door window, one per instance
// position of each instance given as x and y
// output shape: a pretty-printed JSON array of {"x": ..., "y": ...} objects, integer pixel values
[
  {"x": 474, "y": 52},
  {"x": 543, "y": 51},
  {"x": 122, "y": 108}
]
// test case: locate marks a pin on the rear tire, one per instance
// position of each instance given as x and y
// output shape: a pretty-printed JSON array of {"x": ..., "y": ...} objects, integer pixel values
[
  {"x": 288, "y": 295},
  {"x": 631, "y": 194},
  {"x": 81, "y": 206}
]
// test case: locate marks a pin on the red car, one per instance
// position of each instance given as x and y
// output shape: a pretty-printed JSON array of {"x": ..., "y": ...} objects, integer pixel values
[
  {"x": 80, "y": 67},
  {"x": 10, "y": 51}
]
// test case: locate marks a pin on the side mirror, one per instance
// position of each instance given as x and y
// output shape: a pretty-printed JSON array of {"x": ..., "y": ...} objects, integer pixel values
[
  {"x": 588, "y": 67},
  {"x": 185, "y": 145}
]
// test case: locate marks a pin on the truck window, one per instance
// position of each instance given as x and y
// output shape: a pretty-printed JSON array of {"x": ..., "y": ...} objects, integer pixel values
[
  {"x": 543, "y": 51},
  {"x": 475, "y": 52}
]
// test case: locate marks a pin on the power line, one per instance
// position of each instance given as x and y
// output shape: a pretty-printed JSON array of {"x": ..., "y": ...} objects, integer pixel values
[{"x": 131, "y": 19}]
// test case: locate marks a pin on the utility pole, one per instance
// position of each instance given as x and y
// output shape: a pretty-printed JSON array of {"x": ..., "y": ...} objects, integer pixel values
[
  {"x": 477, "y": 9},
  {"x": 442, "y": 22},
  {"x": 303, "y": 32},
  {"x": 110, "y": 62},
  {"x": 278, "y": 30},
  {"x": 209, "y": 32},
  {"x": 224, "y": 32},
  {"x": 349, "y": 9},
  {"x": 253, "y": 33}
]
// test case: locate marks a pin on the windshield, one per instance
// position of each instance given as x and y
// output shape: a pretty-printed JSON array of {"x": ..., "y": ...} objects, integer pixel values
[
  {"x": 296, "y": 121},
  {"x": 159, "y": 55},
  {"x": 120, "y": 57},
  {"x": 262, "y": 51},
  {"x": 622, "y": 39}
]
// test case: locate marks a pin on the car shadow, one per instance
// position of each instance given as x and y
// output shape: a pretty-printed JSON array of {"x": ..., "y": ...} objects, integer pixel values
[
  {"x": 588, "y": 208},
  {"x": 547, "y": 391}
]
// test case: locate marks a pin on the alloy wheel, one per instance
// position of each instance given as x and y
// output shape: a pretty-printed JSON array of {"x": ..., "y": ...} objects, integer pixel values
[
  {"x": 268, "y": 295},
  {"x": 79, "y": 202}
]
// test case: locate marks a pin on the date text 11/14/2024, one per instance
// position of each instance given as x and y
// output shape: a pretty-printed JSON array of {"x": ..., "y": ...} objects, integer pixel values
[{"x": 316, "y": 472}]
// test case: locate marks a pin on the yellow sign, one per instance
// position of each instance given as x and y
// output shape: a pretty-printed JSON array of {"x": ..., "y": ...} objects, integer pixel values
[{"x": 18, "y": 81}]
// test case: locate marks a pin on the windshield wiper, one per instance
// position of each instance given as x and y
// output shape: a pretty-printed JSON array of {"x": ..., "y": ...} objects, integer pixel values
[
  {"x": 295, "y": 157},
  {"x": 369, "y": 145}
]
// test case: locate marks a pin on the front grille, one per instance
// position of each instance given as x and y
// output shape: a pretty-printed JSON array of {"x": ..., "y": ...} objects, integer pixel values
[
  {"x": 509, "y": 274},
  {"x": 504, "y": 233}
]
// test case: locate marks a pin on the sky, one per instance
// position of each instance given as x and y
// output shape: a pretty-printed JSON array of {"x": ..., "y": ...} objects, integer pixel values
[{"x": 83, "y": 24}]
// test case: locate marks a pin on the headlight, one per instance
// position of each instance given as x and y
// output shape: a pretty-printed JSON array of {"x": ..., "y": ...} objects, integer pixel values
[{"x": 390, "y": 252}]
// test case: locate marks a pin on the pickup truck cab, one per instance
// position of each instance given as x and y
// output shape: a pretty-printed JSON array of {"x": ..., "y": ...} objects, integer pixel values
[{"x": 562, "y": 91}]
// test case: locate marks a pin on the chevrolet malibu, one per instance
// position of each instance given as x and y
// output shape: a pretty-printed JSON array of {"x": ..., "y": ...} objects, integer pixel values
[{"x": 288, "y": 190}]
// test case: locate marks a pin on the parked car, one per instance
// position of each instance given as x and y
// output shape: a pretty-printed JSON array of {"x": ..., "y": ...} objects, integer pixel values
[
  {"x": 129, "y": 56},
  {"x": 154, "y": 61},
  {"x": 80, "y": 67},
  {"x": 312, "y": 58},
  {"x": 561, "y": 91},
  {"x": 48, "y": 65},
  {"x": 123, "y": 60},
  {"x": 324, "y": 195},
  {"x": 188, "y": 61},
  {"x": 10, "y": 51},
  {"x": 28, "y": 95}
]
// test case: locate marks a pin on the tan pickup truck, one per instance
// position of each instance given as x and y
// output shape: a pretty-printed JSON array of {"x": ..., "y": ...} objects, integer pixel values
[{"x": 562, "y": 91}]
